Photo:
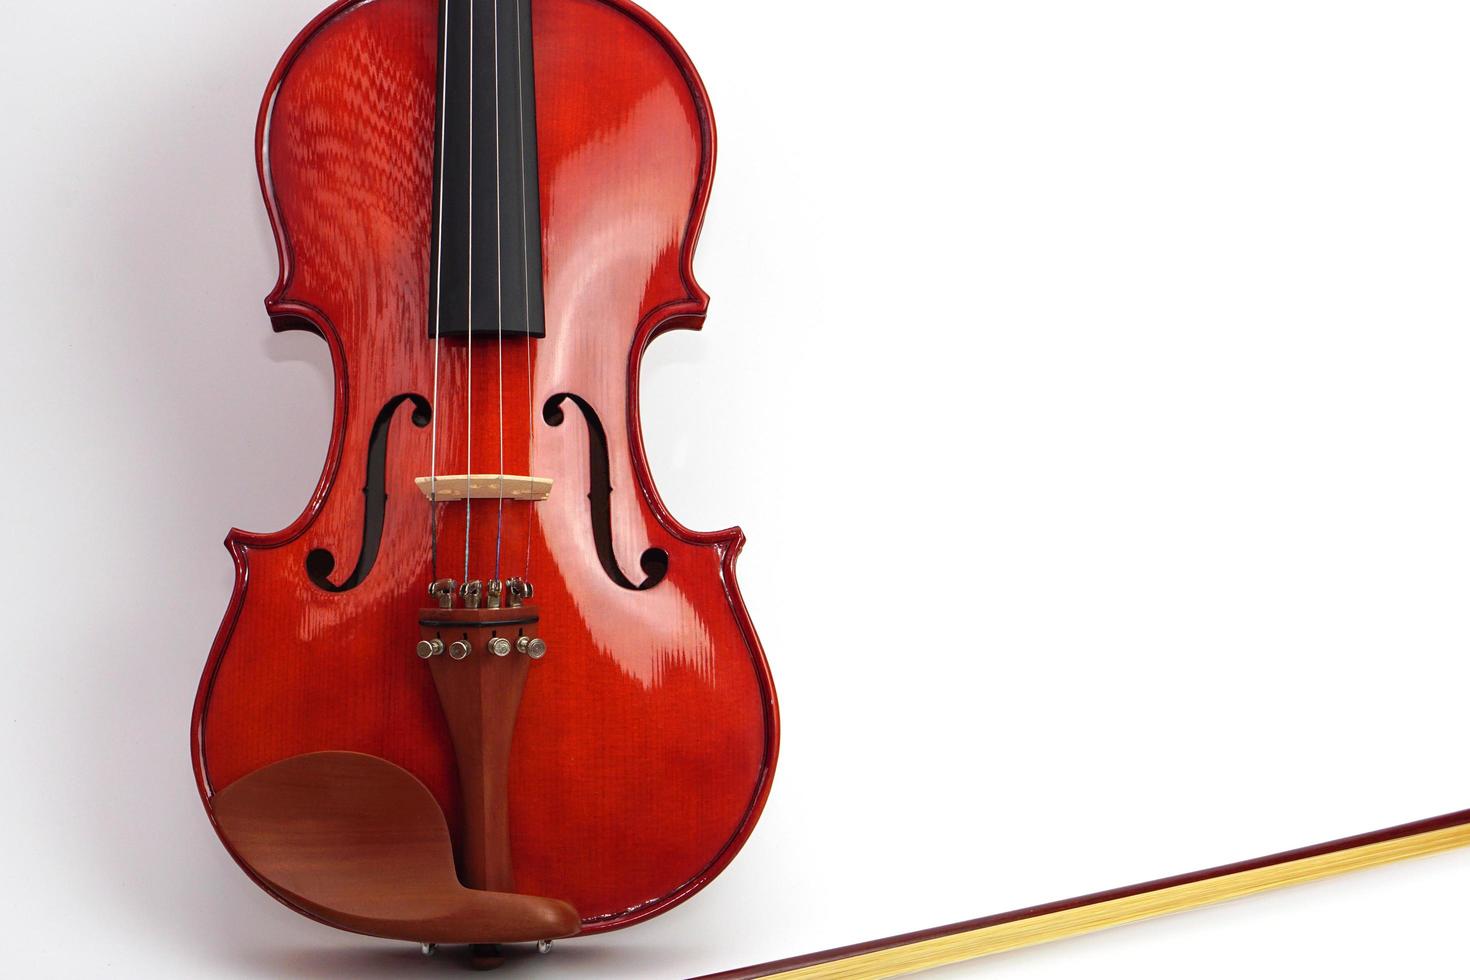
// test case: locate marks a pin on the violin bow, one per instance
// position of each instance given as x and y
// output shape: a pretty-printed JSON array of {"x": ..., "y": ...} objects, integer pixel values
[{"x": 1038, "y": 924}]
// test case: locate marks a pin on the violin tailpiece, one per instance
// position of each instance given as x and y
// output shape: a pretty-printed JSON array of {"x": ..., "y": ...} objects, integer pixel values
[{"x": 479, "y": 658}]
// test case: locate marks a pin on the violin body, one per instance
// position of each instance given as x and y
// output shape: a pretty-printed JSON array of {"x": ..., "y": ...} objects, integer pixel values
[{"x": 645, "y": 742}]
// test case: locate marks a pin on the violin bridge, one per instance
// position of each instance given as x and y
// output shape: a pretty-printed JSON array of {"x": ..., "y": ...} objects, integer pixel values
[{"x": 484, "y": 487}]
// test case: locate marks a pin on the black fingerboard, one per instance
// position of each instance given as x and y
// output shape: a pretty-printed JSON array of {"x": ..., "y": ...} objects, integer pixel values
[{"x": 485, "y": 273}]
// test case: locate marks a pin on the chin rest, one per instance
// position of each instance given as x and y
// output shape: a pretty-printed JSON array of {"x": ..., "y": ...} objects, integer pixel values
[{"x": 361, "y": 844}]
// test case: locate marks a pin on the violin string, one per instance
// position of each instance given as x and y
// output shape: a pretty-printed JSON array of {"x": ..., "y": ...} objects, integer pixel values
[
  {"x": 499, "y": 304},
  {"x": 526, "y": 267},
  {"x": 438, "y": 301},
  {"x": 469, "y": 350}
]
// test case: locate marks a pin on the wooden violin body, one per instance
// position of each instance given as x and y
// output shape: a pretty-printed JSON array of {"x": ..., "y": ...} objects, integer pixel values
[{"x": 645, "y": 741}]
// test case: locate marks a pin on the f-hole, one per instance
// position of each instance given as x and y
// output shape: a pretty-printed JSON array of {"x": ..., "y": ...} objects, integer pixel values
[
  {"x": 655, "y": 561},
  {"x": 320, "y": 563}
]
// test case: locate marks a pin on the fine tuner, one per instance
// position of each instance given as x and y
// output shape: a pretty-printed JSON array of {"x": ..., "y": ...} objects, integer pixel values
[
  {"x": 481, "y": 610},
  {"x": 514, "y": 593},
  {"x": 533, "y": 647}
]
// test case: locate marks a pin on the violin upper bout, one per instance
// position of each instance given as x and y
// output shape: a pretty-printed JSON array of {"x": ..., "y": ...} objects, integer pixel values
[{"x": 345, "y": 155}]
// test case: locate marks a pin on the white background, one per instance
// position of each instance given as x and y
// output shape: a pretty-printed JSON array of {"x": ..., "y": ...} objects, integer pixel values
[{"x": 1092, "y": 381}]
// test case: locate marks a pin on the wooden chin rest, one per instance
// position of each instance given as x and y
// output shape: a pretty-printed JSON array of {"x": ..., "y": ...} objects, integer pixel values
[{"x": 362, "y": 845}]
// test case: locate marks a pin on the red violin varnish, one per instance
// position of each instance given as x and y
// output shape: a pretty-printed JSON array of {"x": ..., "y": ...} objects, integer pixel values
[{"x": 485, "y": 678}]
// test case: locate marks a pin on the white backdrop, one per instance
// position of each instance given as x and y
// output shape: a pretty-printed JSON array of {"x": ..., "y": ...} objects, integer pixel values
[{"x": 1125, "y": 343}]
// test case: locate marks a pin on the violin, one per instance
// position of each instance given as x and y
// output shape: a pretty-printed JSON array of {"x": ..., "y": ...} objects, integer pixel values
[{"x": 485, "y": 689}]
